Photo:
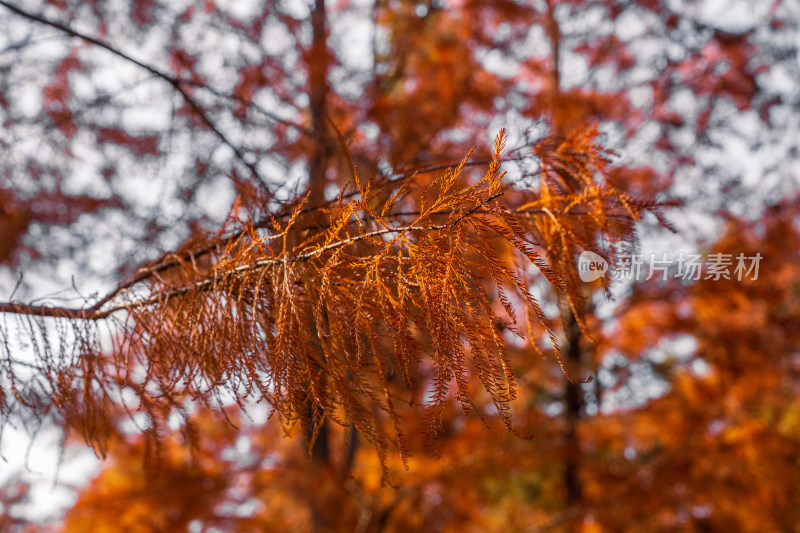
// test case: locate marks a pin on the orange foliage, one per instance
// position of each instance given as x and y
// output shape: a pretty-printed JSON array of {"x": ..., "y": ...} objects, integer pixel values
[{"x": 420, "y": 304}]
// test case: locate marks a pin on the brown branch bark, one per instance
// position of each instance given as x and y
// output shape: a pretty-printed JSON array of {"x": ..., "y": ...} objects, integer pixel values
[{"x": 96, "y": 311}]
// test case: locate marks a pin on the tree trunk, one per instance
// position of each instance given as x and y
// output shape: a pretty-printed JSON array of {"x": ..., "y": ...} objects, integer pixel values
[
  {"x": 318, "y": 95},
  {"x": 572, "y": 415},
  {"x": 318, "y": 162}
]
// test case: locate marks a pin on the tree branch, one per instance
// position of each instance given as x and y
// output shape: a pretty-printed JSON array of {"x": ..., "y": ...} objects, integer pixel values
[
  {"x": 176, "y": 83},
  {"x": 96, "y": 313}
]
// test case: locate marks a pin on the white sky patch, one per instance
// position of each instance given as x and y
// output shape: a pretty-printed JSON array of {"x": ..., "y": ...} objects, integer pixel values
[
  {"x": 355, "y": 36},
  {"x": 32, "y": 453},
  {"x": 89, "y": 181},
  {"x": 267, "y": 99},
  {"x": 297, "y": 9},
  {"x": 276, "y": 39},
  {"x": 780, "y": 79},
  {"x": 735, "y": 16},
  {"x": 700, "y": 368},
  {"x": 37, "y": 462},
  {"x": 498, "y": 63},
  {"x": 574, "y": 69},
  {"x": 630, "y": 25},
  {"x": 536, "y": 43},
  {"x": 217, "y": 196},
  {"x": 370, "y": 131},
  {"x": 241, "y": 9},
  {"x": 156, "y": 121},
  {"x": 502, "y": 32},
  {"x": 222, "y": 155}
]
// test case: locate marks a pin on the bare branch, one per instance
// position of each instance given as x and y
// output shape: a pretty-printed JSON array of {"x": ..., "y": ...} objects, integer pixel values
[{"x": 176, "y": 83}]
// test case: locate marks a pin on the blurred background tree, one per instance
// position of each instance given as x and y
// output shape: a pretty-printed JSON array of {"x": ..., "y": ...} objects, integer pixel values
[{"x": 130, "y": 128}]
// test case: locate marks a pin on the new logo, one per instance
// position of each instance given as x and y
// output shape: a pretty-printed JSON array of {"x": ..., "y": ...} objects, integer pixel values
[{"x": 591, "y": 266}]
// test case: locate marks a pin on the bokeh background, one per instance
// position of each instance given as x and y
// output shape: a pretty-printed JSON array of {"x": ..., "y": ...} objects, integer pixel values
[{"x": 128, "y": 128}]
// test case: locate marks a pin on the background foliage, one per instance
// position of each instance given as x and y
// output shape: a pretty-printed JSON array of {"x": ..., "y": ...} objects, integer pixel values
[{"x": 277, "y": 207}]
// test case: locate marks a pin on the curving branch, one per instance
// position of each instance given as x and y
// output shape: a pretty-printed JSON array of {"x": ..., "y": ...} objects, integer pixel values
[
  {"x": 96, "y": 311},
  {"x": 176, "y": 83}
]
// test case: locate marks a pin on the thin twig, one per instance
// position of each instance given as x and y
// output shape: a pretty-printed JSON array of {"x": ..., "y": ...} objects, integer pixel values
[{"x": 176, "y": 83}]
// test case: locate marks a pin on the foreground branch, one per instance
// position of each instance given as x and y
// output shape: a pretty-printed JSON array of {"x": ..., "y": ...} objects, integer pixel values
[{"x": 95, "y": 312}]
